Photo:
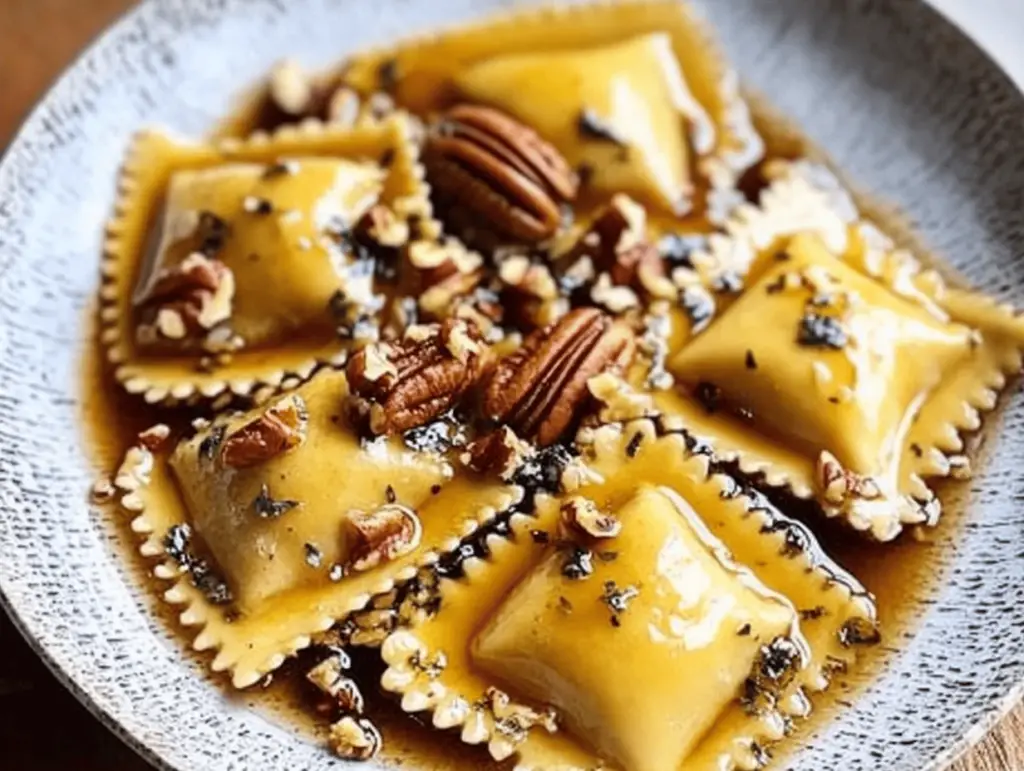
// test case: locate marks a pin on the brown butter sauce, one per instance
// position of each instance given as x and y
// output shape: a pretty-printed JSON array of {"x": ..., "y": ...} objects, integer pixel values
[{"x": 902, "y": 576}]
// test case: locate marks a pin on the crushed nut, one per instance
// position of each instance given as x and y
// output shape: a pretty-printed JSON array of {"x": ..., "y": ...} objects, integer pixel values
[
  {"x": 329, "y": 676},
  {"x": 290, "y": 87},
  {"x": 280, "y": 428},
  {"x": 500, "y": 452},
  {"x": 584, "y": 515},
  {"x": 354, "y": 738},
  {"x": 155, "y": 437},
  {"x": 838, "y": 484},
  {"x": 382, "y": 535}
]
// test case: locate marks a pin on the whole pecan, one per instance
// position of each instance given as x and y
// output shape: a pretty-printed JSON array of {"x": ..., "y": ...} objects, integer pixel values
[
  {"x": 410, "y": 382},
  {"x": 539, "y": 389},
  {"x": 481, "y": 160},
  {"x": 281, "y": 427}
]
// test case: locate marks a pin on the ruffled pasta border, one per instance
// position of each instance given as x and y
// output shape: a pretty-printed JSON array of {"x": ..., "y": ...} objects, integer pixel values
[{"x": 132, "y": 217}]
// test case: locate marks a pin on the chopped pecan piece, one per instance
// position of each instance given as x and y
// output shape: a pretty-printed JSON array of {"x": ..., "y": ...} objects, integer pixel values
[
  {"x": 838, "y": 484},
  {"x": 193, "y": 296},
  {"x": 329, "y": 676},
  {"x": 379, "y": 226},
  {"x": 540, "y": 389},
  {"x": 408, "y": 383},
  {"x": 617, "y": 244},
  {"x": 584, "y": 515},
  {"x": 155, "y": 437},
  {"x": 382, "y": 535},
  {"x": 354, "y": 738},
  {"x": 280, "y": 428},
  {"x": 500, "y": 452},
  {"x": 483, "y": 161}
]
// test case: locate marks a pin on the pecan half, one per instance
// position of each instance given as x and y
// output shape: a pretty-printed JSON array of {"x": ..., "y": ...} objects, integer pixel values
[
  {"x": 280, "y": 428},
  {"x": 481, "y": 160},
  {"x": 354, "y": 738},
  {"x": 382, "y": 535},
  {"x": 405, "y": 384},
  {"x": 540, "y": 389}
]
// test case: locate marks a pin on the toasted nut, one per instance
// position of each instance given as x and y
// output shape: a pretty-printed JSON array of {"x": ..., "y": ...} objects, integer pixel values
[
  {"x": 584, "y": 515},
  {"x": 329, "y": 677},
  {"x": 540, "y": 389},
  {"x": 354, "y": 738},
  {"x": 380, "y": 226},
  {"x": 343, "y": 106},
  {"x": 500, "y": 170},
  {"x": 382, "y": 535},
  {"x": 838, "y": 484},
  {"x": 280, "y": 428},
  {"x": 193, "y": 296},
  {"x": 500, "y": 452},
  {"x": 155, "y": 437},
  {"x": 405, "y": 384}
]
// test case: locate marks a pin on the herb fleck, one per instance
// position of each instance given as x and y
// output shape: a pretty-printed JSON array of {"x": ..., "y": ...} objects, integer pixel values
[
  {"x": 389, "y": 494},
  {"x": 618, "y": 599},
  {"x": 314, "y": 557},
  {"x": 744, "y": 631},
  {"x": 540, "y": 536},
  {"x": 634, "y": 444},
  {"x": 809, "y": 614},
  {"x": 750, "y": 361},
  {"x": 268, "y": 508},
  {"x": 592, "y": 126},
  {"x": 211, "y": 443},
  {"x": 255, "y": 205},
  {"x": 728, "y": 282},
  {"x": 564, "y": 605},
  {"x": 177, "y": 546},
  {"x": 699, "y": 307},
  {"x": 709, "y": 395},
  {"x": 336, "y": 572},
  {"x": 859, "y": 631},
  {"x": 578, "y": 563},
  {"x": 916, "y": 449},
  {"x": 281, "y": 169},
  {"x": 818, "y": 331}
]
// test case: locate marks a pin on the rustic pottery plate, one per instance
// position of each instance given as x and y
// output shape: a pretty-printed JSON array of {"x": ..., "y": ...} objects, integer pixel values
[{"x": 900, "y": 99}]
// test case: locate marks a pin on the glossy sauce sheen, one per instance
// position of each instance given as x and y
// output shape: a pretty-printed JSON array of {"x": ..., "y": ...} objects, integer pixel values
[{"x": 903, "y": 575}]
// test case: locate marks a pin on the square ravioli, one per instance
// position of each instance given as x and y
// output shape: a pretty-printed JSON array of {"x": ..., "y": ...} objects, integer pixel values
[
  {"x": 626, "y": 91},
  {"x": 273, "y": 231},
  {"x": 823, "y": 357},
  {"x": 844, "y": 371},
  {"x": 224, "y": 259},
  {"x": 660, "y": 619},
  {"x": 708, "y": 583},
  {"x": 275, "y": 523}
]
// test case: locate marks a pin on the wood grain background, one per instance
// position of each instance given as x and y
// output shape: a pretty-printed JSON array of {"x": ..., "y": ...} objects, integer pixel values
[{"x": 42, "y": 727}]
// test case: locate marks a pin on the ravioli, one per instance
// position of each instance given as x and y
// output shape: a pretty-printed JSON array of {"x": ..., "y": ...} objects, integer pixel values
[
  {"x": 268, "y": 542},
  {"x": 222, "y": 258},
  {"x": 555, "y": 644}
]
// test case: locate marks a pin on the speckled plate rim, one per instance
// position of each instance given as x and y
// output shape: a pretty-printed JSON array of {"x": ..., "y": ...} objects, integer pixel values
[{"x": 39, "y": 125}]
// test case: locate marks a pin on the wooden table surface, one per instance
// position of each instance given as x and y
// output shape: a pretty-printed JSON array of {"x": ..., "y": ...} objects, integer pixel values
[{"x": 42, "y": 727}]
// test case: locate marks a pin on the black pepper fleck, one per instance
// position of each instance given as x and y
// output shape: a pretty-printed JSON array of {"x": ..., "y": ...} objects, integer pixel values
[
  {"x": 540, "y": 536},
  {"x": 578, "y": 563},
  {"x": 268, "y": 508},
  {"x": 750, "y": 361},
  {"x": 709, "y": 395},
  {"x": 314, "y": 557},
  {"x": 389, "y": 494},
  {"x": 634, "y": 444},
  {"x": 211, "y": 443}
]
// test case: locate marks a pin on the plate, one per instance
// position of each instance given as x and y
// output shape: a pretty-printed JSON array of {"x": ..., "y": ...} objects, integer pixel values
[{"x": 901, "y": 100}]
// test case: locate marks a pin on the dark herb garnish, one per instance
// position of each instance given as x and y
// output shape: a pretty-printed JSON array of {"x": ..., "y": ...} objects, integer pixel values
[
  {"x": 818, "y": 331},
  {"x": 634, "y": 444},
  {"x": 540, "y": 536},
  {"x": 389, "y": 494},
  {"x": 439, "y": 436},
  {"x": 255, "y": 205},
  {"x": 916, "y": 449},
  {"x": 750, "y": 361},
  {"x": 777, "y": 285},
  {"x": 796, "y": 539},
  {"x": 177, "y": 546},
  {"x": 564, "y": 605},
  {"x": 607, "y": 556},
  {"x": 618, "y": 599},
  {"x": 314, "y": 557},
  {"x": 212, "y": 231},
  {"x": 211, "y": 443},
  {"x": 542, "y": 472},
  {"x": 744, "y": 631},
  {"x": 590, "y": 125},
  {"x": 387, "y": 157},
  {"x": 435, "y": 489},
  {"x": 709, "y": 395},
  {"x": 809, "y": 614},
  {"x": 578, "y": 563},
  {"x": 268, "y": 508}
]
